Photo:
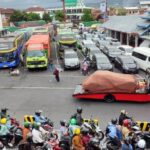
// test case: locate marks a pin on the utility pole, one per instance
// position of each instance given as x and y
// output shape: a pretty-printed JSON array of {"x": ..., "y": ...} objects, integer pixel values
[{"x": 64, "y": 10}]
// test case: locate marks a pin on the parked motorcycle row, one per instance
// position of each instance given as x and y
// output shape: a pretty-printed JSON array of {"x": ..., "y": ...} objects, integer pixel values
[{"x": 38, "y": 133}]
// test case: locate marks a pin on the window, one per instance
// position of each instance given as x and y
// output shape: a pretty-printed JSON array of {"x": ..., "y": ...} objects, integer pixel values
[{"x": 140, "y": 56}]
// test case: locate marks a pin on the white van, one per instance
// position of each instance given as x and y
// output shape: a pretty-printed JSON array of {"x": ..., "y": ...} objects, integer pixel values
[{"x": 142, "y": 56}]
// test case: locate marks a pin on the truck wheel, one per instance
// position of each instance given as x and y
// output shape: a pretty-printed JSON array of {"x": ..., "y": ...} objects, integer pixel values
[{"x": 109, "y": 98}]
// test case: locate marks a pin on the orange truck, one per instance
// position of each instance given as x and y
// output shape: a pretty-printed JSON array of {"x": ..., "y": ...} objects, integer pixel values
[{"x": 38, "y": 50}]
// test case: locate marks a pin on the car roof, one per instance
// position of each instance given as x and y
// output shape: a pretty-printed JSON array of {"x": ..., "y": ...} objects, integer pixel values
[
  {"x": 100, "y": 55},
  {"x": 125, "y": 46},
  {"x": 124, "y": 56},
  {"x": 70, "y": 51},
  {"x": 88, "y": 41}
]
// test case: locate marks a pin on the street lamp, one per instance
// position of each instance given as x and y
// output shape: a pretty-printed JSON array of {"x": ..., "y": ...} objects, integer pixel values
[{"x": 64, "y": 10}]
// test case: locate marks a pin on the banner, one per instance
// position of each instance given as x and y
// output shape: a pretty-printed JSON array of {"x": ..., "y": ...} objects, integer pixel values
[{"x": 103, "y": 6}]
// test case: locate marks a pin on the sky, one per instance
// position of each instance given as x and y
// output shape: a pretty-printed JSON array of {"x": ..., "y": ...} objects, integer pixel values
[{"x": 23, "y": 4}]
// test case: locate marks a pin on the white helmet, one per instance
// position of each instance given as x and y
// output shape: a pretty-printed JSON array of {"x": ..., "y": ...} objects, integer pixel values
[{"x": 141, "y": 143}]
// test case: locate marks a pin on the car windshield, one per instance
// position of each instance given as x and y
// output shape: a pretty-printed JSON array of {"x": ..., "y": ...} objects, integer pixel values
[
  {"x": 6, "y": 45},
  {"x": 70, "y": 55},
  {"x": 102, "y": 60},
  {"x": 36, "y": 53},
  {"x": 6, "y": 57},
  {"x": 67, "y": 37},
  {"x": 128, "y": 60}
]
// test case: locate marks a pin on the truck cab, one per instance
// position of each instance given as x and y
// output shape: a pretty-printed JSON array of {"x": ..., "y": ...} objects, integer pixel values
[{"x": 36, "y": 56}]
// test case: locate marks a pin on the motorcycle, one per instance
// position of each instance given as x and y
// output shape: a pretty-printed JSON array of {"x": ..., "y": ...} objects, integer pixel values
[
  {"x": 111, "y": 145},
  {"x": 94, "y": 144},
  {"x": 64, "y": 143},
  {"x": 94, "y": 129},
  {"x": 14, "y": 72}
]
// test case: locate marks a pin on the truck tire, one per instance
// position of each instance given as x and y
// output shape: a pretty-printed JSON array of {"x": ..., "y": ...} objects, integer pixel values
[{"x": 109, "y": 98}]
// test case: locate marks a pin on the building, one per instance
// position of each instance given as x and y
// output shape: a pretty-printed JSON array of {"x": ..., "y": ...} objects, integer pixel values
[
  {"x": 144, "y": 3},
  {"x": 38, "y": 10},
  {"x": 5, "y": 14},
  {"x": 74, "y": 9},
  {"x": 129, "y": 30}
]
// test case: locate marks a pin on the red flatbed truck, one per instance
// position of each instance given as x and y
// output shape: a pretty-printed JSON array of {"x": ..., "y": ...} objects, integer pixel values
[{"x": 79, "y": 93}]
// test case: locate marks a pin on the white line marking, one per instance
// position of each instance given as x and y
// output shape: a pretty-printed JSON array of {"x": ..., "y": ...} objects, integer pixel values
[{"x": 44, "y": 88}]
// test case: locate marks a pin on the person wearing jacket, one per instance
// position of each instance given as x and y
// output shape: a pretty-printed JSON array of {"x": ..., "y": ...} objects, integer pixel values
[
  {"x": 77, "y": 140},
  {"x": 4, "y": 132}
]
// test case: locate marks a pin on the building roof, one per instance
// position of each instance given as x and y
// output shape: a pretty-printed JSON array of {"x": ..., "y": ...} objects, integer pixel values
[
  {"x": 127, "y": 24},
  {"x": 6, "y": 10},
  {"x": 34, "y": 9},
  {"x": 116, "y": 3}
]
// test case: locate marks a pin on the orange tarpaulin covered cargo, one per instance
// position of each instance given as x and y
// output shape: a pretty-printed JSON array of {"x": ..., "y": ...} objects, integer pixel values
[{"x": 110, "y": 82}]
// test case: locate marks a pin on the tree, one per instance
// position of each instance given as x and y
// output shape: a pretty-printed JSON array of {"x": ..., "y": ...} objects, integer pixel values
[
  {"x": 59, "y": 15},
  {"x": 33, "y": 17},
  {"x": 16, "y": 16},
  {"x": 47, "y": 17},
  {"x": 87, "y": 16}
]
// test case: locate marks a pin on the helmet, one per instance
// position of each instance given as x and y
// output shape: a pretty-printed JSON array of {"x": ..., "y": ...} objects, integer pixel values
[
  {"x": 26, "y": 124},
  {"x": 38, "y": 111},
  {"x": 62, "y": 122},
  {"x": 79, "y": 110},
  {"x": 77, "y": 131},
  {"x": 126, "y": 122},
  {"x": 141, "y": 143},
  {"x": 36, "y": 125},
  {"x": 114, "y": 121},
  {"x": 123, "y": 111},
  {"x": 73, "y": 121},
  {"x": 3, "y": 121}
]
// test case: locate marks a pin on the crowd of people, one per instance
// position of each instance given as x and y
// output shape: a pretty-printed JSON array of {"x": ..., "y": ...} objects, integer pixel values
[{"x": 76, "y": 134}]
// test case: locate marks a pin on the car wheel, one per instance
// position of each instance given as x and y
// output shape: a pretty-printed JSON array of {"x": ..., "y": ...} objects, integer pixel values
[{"x": 109, "y": 98}]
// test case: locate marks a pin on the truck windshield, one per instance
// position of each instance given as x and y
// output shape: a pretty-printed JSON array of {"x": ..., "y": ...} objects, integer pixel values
[
  {"x": 6, "y": 57},
  {"x": 36, "y": 53},
  {"x": 6, "y": 45}
]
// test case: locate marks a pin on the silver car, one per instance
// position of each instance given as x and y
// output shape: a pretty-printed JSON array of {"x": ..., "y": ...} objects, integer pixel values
[{"x": 71, "y": 60}]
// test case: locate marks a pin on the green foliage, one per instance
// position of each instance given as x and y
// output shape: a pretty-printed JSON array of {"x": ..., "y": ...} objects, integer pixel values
[
  {"x": 33, "y": 17},
  {"x": 47, "y": 17},
  {"x": 23, "y": 16},
  {"x": 59, "y": 15},
  {"x": 16, "y": 16},
  {"x": 87, "y": 16}
]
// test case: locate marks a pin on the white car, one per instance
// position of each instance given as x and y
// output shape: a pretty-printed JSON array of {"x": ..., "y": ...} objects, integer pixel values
[
  {"x": 126, "y": 49},
  {"x": 71, "y": 60}
]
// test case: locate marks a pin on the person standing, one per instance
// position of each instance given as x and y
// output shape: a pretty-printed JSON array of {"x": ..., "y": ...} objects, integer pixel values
[{"x": 56, "y": 74}]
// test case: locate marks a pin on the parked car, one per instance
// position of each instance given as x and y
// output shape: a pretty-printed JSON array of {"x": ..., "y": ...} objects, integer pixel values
[
  {"x": 112, "y": 52},
  {"x": 71, "y": 60},
  {"x": 101, "y": 43},
  {"x": 126, "y": 64},
  {"x": 101, "y": 62},
  {"x": 126, "y": 49},
  {"x": 87, "y": 36}
]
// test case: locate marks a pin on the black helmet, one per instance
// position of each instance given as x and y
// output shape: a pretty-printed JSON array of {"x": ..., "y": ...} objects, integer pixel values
[
  {"x": 79, "y": 110},
  {"x": 114, "y": 121},
  {"x": 62, "y": 122}
]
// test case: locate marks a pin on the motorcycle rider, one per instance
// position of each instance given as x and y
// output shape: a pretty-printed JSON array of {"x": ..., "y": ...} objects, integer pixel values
[
  {"x": 123, "y": 116},
  {"x": 63, "y": 129},
  {"x": 111, "y": 131},
  {"x": 73, "y": 125},
  {"x": 39, "y": 118},
  {"x": 77, "y": 140},
  {"x": 78, "y": 116},
  {"x": 3, "y": 113},
  {"x": 37, "y": 137},
  {"x": 125, "y": 128},
  {"x": 5, "y": 133},
  {"x": 85, "y": 137},
  {"x": 26, "y": 131},
  {"x": 126, "y": 144}
]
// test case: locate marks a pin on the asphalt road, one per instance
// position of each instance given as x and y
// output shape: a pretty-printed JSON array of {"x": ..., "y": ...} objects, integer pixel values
[{"x": 38, "y": 90}]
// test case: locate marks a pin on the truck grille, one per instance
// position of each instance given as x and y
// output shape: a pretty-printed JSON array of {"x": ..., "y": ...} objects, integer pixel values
[{"x": 36, "y": 63}]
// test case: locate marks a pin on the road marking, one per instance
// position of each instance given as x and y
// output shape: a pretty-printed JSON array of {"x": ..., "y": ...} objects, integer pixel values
[{"x": 41, "y": 88}]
